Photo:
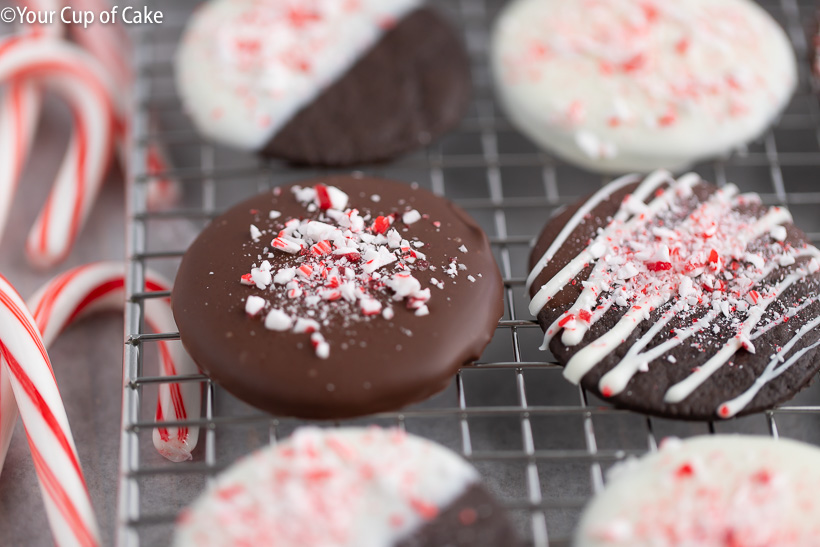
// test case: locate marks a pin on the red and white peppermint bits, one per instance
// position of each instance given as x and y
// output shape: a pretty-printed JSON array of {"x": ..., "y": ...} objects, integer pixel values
[
  {"x": 717, "y": 262},
  {"x": 345, "y": 267},
  {"x": 346, "y": 487},
  {"x": 715, "y": 490},
  {"x": 649, "y": 78}
]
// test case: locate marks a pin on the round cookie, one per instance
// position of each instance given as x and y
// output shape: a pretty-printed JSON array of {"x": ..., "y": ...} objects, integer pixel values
[
  {"x": 324, "y": 83},
  {"x": 338, "y": 297},
  {"x": 347, "y": 487},
  {"x": 710, "y": 491},
  {"x": 636, "y": 85},
  {"x": 675, "y": 298}
]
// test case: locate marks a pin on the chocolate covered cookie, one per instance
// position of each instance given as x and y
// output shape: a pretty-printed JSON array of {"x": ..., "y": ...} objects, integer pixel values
[
  {"x": 676, "y": 298},
  {"x": 324, "y": 82},
  {"x": 348, "y": 487},
  {"x": 711, "y": 491},
  {"x": 338, "y": 297}
]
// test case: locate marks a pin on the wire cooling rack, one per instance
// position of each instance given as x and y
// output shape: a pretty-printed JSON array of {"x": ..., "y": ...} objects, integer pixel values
[{"x": 541, "y": 444}]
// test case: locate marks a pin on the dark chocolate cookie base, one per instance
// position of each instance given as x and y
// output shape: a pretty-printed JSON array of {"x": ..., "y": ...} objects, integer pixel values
[
  {"x": 474, "y": 519},
  {"x": 646, "y": 390},
  {"x": 374, "y": 366},
  {"x": 411, "y": 87}
]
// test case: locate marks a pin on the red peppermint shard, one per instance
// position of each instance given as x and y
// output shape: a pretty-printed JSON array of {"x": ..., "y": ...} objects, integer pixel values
[
  {"x": 323, "y": 196},
  {"x": 381, "y": 225},
  {"x": 658, "y": 266}
]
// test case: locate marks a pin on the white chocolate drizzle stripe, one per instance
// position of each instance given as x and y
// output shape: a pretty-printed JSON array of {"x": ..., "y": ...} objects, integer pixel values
[
  {"x": 601, "y": 195},
  {"x": 772, "y": 371},
  {"x": 652, "y": 182},
  {"x": 600, "y": 310},
  {"x": 616, "y": 380},
  {"x": 583, "y": 361},
  {"x": 573, "y": 330},
  {"x": 790, "y": 313},
  {"x": 685, "y": 387}
]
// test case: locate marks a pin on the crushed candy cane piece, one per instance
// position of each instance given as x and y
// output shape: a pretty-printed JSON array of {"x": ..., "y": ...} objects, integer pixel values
[
  {"x": 345, "y": 266},
  {"x": 278, "y": 320},
  {"x": 254, "y": 304},
  {"x": 411, "y": 217},
  {"x": 320, "y": 345}
]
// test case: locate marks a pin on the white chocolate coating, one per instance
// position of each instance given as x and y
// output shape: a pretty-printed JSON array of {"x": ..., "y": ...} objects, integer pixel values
[
  {"x": 711, "y": 491},
  {"x": 246, "y": 67},
  {"x": 347, "y": 487},
  {"x": 635, "y": 85}
]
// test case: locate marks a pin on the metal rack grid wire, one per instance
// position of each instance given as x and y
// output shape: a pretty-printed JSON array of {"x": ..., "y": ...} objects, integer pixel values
[{"x": 542, "y": 445}]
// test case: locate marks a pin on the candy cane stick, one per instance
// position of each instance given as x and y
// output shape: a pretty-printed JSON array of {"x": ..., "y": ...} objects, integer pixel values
[
  {"x": 8, "y": 413},
  {"x": 100, "y": 287},
  {"x": 108, "y": 43},
  {"x": 20, "y": 106},
  {"x": 19, "y": 111},
  {"x": 112, "y": 48},
  {"x": 62, "y": 483},
  {"x": 77, "y": 76}
]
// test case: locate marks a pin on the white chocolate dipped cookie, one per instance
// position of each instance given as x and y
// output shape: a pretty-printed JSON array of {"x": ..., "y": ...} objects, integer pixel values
[
  {"x": 710, "y": 491},
  {"x": 347, "y": 487},
  {"x": 636, "y": 85},
  {"x": 322, "y": 82}
]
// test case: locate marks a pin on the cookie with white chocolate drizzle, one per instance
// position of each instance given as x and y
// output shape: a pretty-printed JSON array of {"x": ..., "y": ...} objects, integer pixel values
[
  {"x": 677, "y": 298},
  {"x": 338, "y": 297}
]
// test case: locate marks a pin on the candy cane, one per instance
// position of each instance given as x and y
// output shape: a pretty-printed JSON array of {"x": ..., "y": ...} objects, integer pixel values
[
  {"x": 111, "y": 46},
  {"x": 77, "y": 181},
  {"x": 20, "y": 106},
  {"x": 77, "y": 76},
  {"x": 61, "y": 479},
  {"x": 19, "y": 111},
  {"x": 108, "y": 43},
  {"x": 99, "y": 287}
]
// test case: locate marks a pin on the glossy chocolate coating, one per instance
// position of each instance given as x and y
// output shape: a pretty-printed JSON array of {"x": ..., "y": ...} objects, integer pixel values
[
  {"x": 412, "y": 86},
  {"x": 374, "y": 365},
  {"x": 474, "y": 519}
]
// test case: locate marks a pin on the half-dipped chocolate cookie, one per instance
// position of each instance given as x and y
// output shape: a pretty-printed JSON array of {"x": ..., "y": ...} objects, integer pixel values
[
  {"x": 325, "y": 82},
  {"x": 348, "y": 487},
  {"x": 338, "y": 297},
  {"x": 673, "y": 297},
  {"x": 710, "y": 491}
]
